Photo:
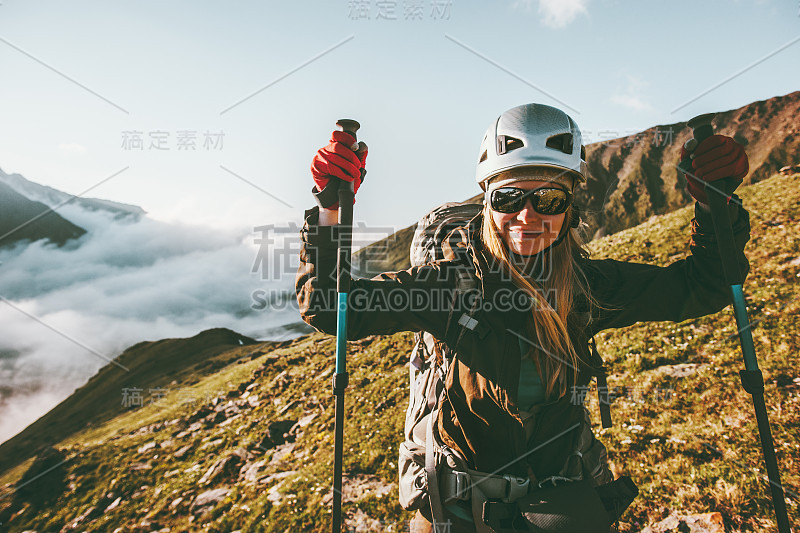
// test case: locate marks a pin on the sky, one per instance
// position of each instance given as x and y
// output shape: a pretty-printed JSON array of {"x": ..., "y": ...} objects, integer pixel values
[{"x": 210, "y": 113}]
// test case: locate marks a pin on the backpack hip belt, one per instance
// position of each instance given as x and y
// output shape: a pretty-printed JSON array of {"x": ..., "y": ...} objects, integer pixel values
[{"x": 457, "y": 485}]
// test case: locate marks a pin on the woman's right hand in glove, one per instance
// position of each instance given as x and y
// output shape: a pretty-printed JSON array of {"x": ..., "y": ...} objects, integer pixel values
[{"x": 342, "y": 159}]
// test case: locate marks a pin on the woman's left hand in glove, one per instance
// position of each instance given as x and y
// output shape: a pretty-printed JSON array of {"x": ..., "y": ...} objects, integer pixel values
[{"x": 717, "y": 157}]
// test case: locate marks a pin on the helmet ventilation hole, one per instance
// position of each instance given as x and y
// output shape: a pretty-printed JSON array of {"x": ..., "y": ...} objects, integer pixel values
[
  {"x": 561, "y": 142},
  {"x": 507, "y": 144}
]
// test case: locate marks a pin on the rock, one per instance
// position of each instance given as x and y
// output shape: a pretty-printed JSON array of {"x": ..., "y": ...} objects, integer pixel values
[
  {"x": 210, "y": 497},
  {"x": 200, "y": 413},
  {"x": 288, "y": 406},
  {"x": 699, "y": 523},
  {"x": 681, "y": 370},
  {"x": 149, "y": 446},
  {"x": 140, "y": 466},
  {"x": 166, "y": 443},
  {"x": 360, "y": 486},
  {"x": 788, "y": 170},
  {"x": 140, "y": 492},
  {"x": 211, "y": 444},
  {"x": 303, "y": 422},
  {"x": 274, "y": 494},
  {"x": 358, "y": 520},
  {"x": 281, "y": 452},
  {"x": 224, "y": 468},
  {"x": 113, "y": 505},
  {"x": 242, "y": 453},
  {"x": 280, "y": 382},
  {"x": 180, "y": 454},
  {"x": 90, "y": 512},
  {"x": 250, "y": 471},
  {"x": 216, "y": 418},
  {"x": 176, "y": 502},
  {"x": 229, "y": 421},
  {"x": 146, "y": 527}
]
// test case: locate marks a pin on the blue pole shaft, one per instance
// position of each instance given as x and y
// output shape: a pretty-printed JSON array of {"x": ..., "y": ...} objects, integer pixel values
[
  {"x": 341, "y": 333},
  {"x": 744, "y": 327}
]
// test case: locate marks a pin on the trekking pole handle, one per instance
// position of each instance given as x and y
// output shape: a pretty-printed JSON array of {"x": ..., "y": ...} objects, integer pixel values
[
  {"x": 701, "y": 130},
  {"x": 718, "y": 194},
  {"x": 350, "y": 126},
  {"x": 701, "y": 126},
  {"x": 346, "y": 195}
]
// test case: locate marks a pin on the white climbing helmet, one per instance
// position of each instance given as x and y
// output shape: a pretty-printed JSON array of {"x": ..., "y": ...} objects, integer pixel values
[{"x": 531, "y": 135}]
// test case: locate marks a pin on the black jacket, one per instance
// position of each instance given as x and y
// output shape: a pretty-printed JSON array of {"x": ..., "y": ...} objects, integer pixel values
[{"x": 479, "y": 417}]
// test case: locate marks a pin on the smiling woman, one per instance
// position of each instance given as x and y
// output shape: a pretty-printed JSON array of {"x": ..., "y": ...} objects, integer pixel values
[{"x": 497, "y": 437}]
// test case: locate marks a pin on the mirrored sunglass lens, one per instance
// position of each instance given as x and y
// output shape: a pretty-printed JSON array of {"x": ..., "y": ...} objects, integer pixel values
[
  {"x": 550, "y": 201},
  {"x": 507, "y": 200}
]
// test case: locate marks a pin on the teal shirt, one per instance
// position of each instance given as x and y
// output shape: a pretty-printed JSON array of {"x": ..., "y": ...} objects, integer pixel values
[
  {"x": 531, "y": 389},
  {"x": 531, "y": 392}
]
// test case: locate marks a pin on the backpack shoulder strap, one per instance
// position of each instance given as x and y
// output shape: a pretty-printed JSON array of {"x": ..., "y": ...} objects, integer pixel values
[
  {"x": 603, "y": 398},
  {"x": 466, "y": 307}
]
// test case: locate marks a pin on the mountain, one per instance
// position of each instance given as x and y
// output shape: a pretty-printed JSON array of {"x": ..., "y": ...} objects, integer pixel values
[
  {"x": 147, "y": 366},
  {"x": 635, "y": 177},
  {"x": 28, "y": 220},
  {"x": 53, "y": 197},
  {"x": 255, "y": 453}
]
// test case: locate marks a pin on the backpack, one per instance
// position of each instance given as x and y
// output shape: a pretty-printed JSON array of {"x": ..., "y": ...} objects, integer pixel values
[{"x": 421, "y": 453}]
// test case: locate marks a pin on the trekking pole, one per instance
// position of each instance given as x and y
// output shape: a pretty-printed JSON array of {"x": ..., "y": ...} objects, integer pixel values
[
  {"x": 340, "y": 378},
  {"x": 752, "y": 380}
]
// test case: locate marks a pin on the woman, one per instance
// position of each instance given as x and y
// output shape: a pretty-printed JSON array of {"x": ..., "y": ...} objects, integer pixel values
[{"x": 507, "y": 412}]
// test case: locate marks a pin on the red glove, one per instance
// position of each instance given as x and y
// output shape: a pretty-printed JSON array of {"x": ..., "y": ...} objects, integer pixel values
[
  {"x": 337, "y": 160},
  {"x": 717, "y": 157}
]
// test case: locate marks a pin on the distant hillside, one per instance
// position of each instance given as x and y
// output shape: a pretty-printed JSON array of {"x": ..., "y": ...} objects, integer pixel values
[
  {"x": 53, "y": 197},
  {"x": 26, "y": 220},
  {"x": 148, "y": 365},
  {"x": 633, "y": 178}
]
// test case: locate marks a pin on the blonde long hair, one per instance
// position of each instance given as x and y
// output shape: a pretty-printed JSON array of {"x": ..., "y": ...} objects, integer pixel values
[{"x": 549, "y": 342}]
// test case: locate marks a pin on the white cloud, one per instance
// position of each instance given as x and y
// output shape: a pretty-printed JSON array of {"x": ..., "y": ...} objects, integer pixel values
[
  {"x": 555, "y": 13},
  {"x": 632, "y": 94},
  {"x": 125, "y": 283}
]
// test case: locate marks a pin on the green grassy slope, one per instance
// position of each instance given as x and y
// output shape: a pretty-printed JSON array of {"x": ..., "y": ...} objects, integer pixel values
[
  {"x": 163, "y": 364},
  {"x": 259, "y": 440}
]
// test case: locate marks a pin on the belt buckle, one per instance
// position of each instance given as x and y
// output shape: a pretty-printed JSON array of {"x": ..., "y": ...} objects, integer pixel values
[
  {"x": 517, "y": 488},
  {"x": 463, "y": 485}
]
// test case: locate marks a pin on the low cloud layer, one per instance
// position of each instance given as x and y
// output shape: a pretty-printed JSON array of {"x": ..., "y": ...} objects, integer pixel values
[{"x": 68, "y": 310}]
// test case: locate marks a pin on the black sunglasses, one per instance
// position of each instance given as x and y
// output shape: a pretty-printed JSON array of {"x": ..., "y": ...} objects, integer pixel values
[{"x": 545, "y": 201}]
